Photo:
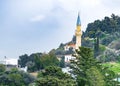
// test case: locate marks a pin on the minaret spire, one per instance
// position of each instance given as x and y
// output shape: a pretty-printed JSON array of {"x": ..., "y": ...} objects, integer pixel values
[
  {"x": 78, "y": 32},
  {"x": 78, "y": 20}
]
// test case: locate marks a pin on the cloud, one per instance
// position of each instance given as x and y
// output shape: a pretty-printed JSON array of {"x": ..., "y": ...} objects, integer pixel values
[
  {"x": 37, "y": 18},
  {"x": 90, "y": 2},
  {"x": 111, "y": 3}
]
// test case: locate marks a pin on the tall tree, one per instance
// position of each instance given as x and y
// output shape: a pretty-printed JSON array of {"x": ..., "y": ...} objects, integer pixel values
[
  {"x": 86, "y": 68},
  {"x": 96, "y": 47}
]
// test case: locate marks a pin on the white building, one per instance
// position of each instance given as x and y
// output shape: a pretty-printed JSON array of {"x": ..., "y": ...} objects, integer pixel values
[{"x": 68, "y": 58}]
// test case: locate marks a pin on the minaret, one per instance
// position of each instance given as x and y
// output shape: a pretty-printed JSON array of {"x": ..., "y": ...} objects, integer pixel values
[{"x": 78, "y": 33}]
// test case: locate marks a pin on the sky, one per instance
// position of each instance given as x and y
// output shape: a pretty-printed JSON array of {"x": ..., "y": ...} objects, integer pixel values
[{"x": 31, "y": 26}]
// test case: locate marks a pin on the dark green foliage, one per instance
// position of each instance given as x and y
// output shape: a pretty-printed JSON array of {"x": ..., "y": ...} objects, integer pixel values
[
  {"x": 54, "y": 81},
  {"x": 15, "y": 78},
  {"x": 86, "y": 68},
  {"x": 53, "y": 76},
  {"x": 87, "y": 43},
  {"x": 49, "y": 60},
  {"x": 2, "y": 68},
  {"x": 53, "y": 71},
  {"x": 108, "y": 32},
  {"x": 38, "y": 61},
  {"x": 44, "y": 61},
  {"x": 108, "y": 25},
  {"x": 62, "y": 62},
  {"x": 24, "y": 59},
  {"x": 96, "y": 47},
  {"x": 90, "y": 72}
]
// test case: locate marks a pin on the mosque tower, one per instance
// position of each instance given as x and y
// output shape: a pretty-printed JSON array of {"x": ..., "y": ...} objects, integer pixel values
[{"x": 78, "y": 33}]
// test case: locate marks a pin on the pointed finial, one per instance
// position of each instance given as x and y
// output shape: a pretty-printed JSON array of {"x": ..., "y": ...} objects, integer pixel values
[{"x": 78, "y": 20}]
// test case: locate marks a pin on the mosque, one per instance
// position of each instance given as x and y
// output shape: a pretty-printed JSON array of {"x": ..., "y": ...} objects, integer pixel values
[{"x": 77, "y": 44}]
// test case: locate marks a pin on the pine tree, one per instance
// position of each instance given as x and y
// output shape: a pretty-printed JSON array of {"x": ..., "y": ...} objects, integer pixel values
[{"x": 86, "y": 68}]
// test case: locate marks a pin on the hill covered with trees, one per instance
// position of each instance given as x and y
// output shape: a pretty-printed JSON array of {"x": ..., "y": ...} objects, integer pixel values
[{"x": 104, "y": 37}]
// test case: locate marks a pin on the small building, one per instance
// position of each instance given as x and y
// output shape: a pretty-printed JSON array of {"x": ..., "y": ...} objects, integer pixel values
[
  {"x": 69, "y": 46},
  {"x": 68, "y": 58},
  {"x": 9, "y": 63}
]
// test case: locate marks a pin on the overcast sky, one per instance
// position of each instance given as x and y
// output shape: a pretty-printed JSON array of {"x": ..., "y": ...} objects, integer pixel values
[{"x": 30, "y": 26}]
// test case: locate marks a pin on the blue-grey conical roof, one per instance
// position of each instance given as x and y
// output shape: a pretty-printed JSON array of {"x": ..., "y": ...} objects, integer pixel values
[{"x": 78, "y": 20}]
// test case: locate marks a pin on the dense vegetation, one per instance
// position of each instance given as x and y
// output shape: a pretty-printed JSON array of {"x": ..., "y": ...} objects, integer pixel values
[
  {"x": 14, "y": 77},
  {"x": 53, "y": 76},
  {"x": 38, "y": 61},
  {"x": 109, "y": 25},
  {"x": 86, "y": 71},
  {"x": 90, "y": 72},
  {"x": 103, "y": 36},
  {"x": 113, "y": 66}
]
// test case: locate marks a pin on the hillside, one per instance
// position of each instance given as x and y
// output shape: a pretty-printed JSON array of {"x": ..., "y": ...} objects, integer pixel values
[
  {"x": 107, "y": 32},
  {"x": 108, "y": 25},
  {"x": 103, "y": 36}
]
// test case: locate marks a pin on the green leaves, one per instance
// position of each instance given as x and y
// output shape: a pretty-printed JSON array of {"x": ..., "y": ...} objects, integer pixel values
[
  {"x": 42, "y": 61},
  {"x": 108, "y": 24},
  {"x": 53, "y": 76},
  {"x": 2, "y": 68},
  {"x": 15, "y": 78},
  {"x": 86, "y": 68}
]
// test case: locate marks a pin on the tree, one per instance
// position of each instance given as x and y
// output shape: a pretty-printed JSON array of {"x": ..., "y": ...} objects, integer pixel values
[
  {"x": 23, "y": 60},
  {"x": 49, "y": 59},
  {"x": 108, "y": 25},
  {"x": 54, "y": 81},
  {"x": 62, "y": 62},
  {"x": 86, "y": 68},
  {"x": 15, "y": 78},
  {"x": 53, "y": 76},
  {"x": 94, "y": 76},
  {"x": 96, "y": 47},
  {"x": 2, "y": 68},
  {"x": 110, "y": 76},
  {"x": 38, "y": 61}
]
